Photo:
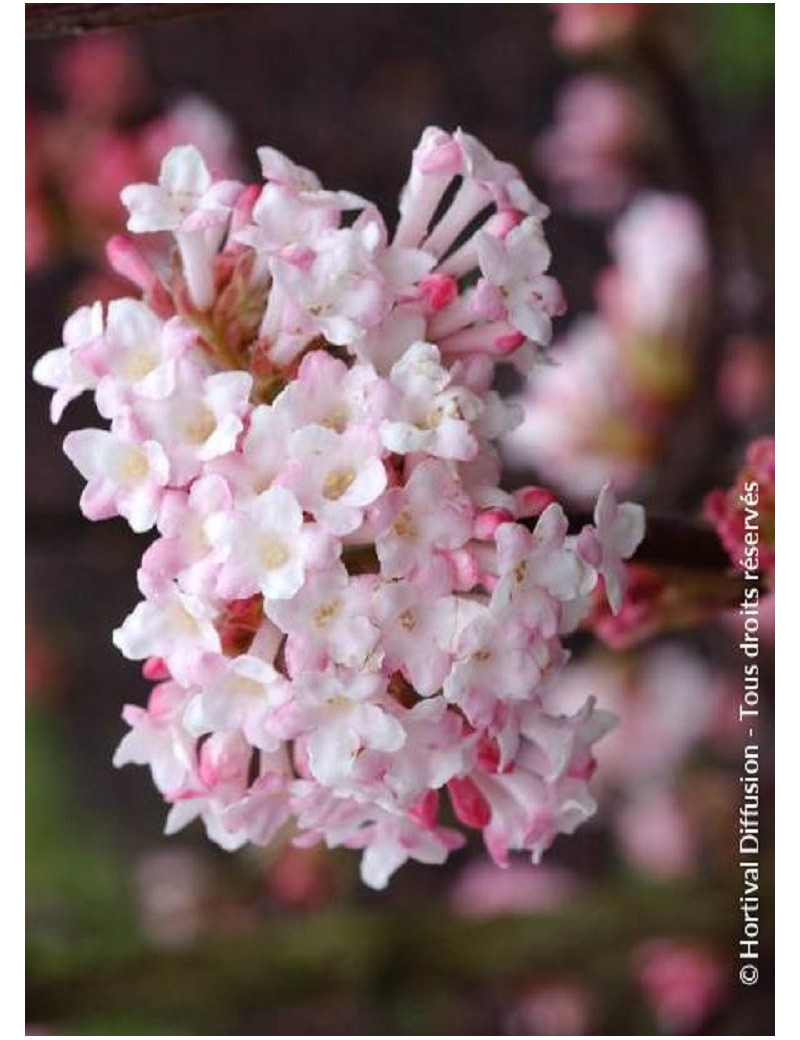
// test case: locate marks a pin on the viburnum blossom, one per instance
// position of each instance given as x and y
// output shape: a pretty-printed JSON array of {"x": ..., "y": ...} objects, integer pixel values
[{"x": 350, "y": 622}]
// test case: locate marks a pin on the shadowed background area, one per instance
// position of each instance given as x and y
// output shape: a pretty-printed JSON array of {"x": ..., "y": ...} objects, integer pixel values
[{"x": 630, "y": 926}]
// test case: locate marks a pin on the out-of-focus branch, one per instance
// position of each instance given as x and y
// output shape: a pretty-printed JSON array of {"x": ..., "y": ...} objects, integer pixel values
[
  {"x": 369, "y": 954},
  {"x": 44, "y": 20}
]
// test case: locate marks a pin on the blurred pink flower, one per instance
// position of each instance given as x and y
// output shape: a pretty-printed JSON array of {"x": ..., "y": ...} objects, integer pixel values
[
  {"x": 586, "y": 153},
  {"x": 601, "y": 410},
  {"x": 683, "y": 983},
  {"x": 746, "y": 378},
  {"x": 480, "y": 890},
  {"x": 172, "y": 890},
  {"x": 661, "y": 267},
  {"x": 38, "y": 235},
  {"x": 301, "y": 878},
  {"x": 578, "y": 429},
  {"x": 93, "y": 202},
  {"x": 99, "y": 75},
  {"x": 655, "y": 834},
  {"x": 586, "y": 27},
  {"x": 559, "y": 1008}
]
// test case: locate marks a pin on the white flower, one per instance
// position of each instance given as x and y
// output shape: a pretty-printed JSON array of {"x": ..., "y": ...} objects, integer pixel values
[
  {"x": 328, "y": 620},
  {"x": 237, "y": 694},
  {"x": 189, "y": 203},
  {"x": 515, "y": 266},
  {"x": 341, "y": 717},
  {"x": 432, "y": 416},
  {"x": 174, "y": 626},
  {"x": 263, "y": 546},
  {"x": 125, "y": 478},
  {"x": 69, "y": 370},
  {"x": 336, "y": 476}
]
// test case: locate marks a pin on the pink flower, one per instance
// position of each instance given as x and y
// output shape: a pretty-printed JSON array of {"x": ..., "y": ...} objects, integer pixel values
[
  {"x": 68, "y": 370},
  {"x": 655, "y": 834},
  {"x": 137, "y": 356},
  {"x": 587, "y": 154},
  {"x": 431, "y": 415},
  {"x": 335, "y": 476},
  {"x": 184, "y": 553},
  {"x": 539, "y": 570},
  {"x": 199, "y": 421},
  {"x": 172, "y": 625},
  {"x": 515, "y": 268},
  {"x": 587, "y": 27},
  {"x": 558, "y": 1008},
  {"x": 188, "y": 202},
  {"x": 683, "y": 983},
  {"x": 237, "y": 694},
  {"x": 328, "y": 620},
  {"x": 749, "y": 506},
  {"x": 430, "y": 513},
  {"x": 263, "y": 546},
  {"x": 157, "y": 738},
  {"x": 652, "y": 290},
  {"x": 480, "y": 891},
  {"x": 619, "y": 529},
  {"x": 342, "y": 715},
  {"x": 99, "y": 75},
  {"x": 124, "y": 479},
  {"x": 218, "y": 785},
  {"x": 185, "y": 198},
  {"x": 412, "y": 618}
]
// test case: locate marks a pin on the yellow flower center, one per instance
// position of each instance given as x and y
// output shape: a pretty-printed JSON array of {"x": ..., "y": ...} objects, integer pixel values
[
  {"x": 336, "y": 419},
  {"x": 337, "y": 482},
  {"x": 407, "y": 620},
  {"x": 404, "y": 526},
  {"x": 139, "y": 363},
  {"x": 248, "y": 687},
  {"x": 273, "y": 554},
  {"x": 199, "y": 427},
  {"x": 134, "y": 466},
  {"x": 326, "y": 613}
]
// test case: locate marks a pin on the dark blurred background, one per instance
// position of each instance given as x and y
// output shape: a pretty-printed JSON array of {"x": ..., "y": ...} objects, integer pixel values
[{"x": 631, "y": 926}]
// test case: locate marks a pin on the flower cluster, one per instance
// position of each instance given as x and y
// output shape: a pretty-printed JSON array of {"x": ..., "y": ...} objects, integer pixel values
[
  {"x": 602, "y": 411},
  {"x": 348, "y": 620}
]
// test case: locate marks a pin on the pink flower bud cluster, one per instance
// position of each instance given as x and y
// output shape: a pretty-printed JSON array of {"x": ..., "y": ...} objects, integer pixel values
[
  {"x": 744, "y": 515},
  {"x": 602, "y": 411},
  {"x": 349, "y": 622}
]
